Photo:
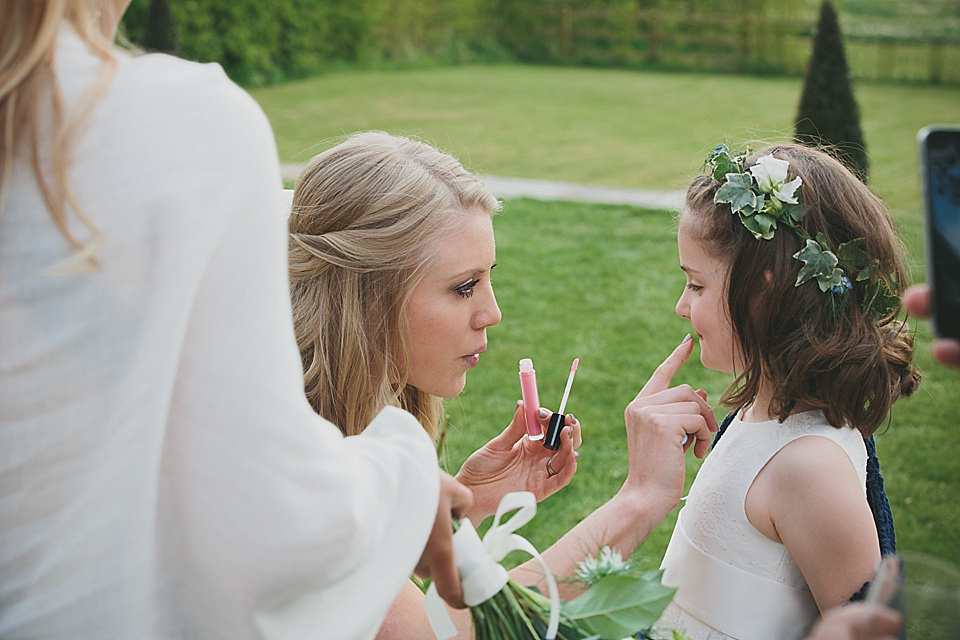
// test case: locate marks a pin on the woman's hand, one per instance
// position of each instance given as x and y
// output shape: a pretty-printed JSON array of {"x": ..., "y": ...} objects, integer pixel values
[
  {"x": 657, "y": 421},
  {"x": 437, "y": 561},
  {"x": 512, "y": 462}
]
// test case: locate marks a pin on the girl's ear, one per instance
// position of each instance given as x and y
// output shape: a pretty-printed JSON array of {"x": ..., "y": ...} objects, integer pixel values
[{"x": 768, "y": 275}]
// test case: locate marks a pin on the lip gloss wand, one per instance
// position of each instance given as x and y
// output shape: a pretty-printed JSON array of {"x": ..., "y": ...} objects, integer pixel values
[{"x": 552, "y": 441}]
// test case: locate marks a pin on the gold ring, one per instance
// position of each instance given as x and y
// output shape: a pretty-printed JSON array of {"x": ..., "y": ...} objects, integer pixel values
[{"x": 550, "y": 471}]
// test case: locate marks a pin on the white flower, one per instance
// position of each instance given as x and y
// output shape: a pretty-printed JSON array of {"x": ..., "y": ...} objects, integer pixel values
[
  {"x": 607, "y": 562},
  {"x": 771, "y": 176},
  {"x": 769, "y": 171},
  {"x": 785, "y": 193}
]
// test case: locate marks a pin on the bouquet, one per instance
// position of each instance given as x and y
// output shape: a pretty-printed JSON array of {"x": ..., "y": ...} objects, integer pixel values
[{"x": 620, "y": 602}]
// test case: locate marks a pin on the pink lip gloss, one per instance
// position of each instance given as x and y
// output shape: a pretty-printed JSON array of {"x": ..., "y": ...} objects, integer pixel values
[{"x": 531, "y": 399}]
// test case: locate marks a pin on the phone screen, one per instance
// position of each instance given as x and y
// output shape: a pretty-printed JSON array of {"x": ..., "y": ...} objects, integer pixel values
[{"x": 940, "y": 169}]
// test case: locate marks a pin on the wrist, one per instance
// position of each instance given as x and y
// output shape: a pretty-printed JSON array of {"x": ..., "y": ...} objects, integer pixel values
[
  {"x": 477, "y": 514},
  {"x": 644, "y": 506},
  {"x": 480, "y": 510}
]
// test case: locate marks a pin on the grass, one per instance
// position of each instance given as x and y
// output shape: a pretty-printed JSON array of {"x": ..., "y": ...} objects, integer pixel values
[
  {"x": 600, "y": 282},
  {"x": 604, "y": 127}
]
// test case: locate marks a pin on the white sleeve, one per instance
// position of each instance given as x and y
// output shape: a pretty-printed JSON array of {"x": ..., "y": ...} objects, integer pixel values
[{"x": 272, "y": 516}]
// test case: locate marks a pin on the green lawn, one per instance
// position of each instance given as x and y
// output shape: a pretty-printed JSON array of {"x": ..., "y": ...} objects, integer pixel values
[{"x": 600, "y": 282}]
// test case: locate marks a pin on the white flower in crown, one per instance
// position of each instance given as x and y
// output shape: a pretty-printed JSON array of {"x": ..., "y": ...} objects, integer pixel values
[{"x": 771, "y": 176}]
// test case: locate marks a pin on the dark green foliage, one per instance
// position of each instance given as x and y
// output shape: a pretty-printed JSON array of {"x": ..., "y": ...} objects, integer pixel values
[
  {"x": 261, "y": 42},
  {"x": 160, "y": 31},
  {"x": 828, "y": 113}
]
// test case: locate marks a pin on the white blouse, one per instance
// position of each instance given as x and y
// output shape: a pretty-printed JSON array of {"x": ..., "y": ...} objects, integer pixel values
[{"x": 161, "y": 473}]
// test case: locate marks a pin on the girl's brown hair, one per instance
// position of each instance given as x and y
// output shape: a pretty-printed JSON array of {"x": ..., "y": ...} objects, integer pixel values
[{"x": 795, "y": 340}]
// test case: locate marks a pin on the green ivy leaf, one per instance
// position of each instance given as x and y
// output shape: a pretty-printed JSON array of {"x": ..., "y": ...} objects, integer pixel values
[
  {"x": 832, "y": 279},
  {"x": 794, "y": 212},
  {"x": 760, "y": 225},
  {"x": 881, "y": 299},
  {"x": 724, "y": 163},
  {"x": 818, "y": 264},
  {"x": 618, "y": 606},
  {"x": 855, "y": 258},
  {"x": 737, "y": 192}
]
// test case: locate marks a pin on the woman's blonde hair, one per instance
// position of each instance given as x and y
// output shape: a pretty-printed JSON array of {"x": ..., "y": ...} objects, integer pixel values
[
  {"x": 368, "y": 217},
  {"x": 29, "y": 91}
]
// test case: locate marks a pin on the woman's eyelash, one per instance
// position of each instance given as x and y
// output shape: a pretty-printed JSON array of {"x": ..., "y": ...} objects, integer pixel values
[
  {"x": 465, "y": 290},
  {"x": 694, "y": 287}
]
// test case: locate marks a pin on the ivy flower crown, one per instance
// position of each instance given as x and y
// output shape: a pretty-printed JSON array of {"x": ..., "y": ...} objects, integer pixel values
[{"x": 762, "y": 198}]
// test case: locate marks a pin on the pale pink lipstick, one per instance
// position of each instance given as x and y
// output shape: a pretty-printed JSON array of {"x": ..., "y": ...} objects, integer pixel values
[{"x": 473, "y": 359}]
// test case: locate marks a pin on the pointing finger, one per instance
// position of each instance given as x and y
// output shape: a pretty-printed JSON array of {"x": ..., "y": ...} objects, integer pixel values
[{"x": 662, "y": 377}]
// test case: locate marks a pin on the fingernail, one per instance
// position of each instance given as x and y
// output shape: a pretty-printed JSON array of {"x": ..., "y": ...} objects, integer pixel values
[
  {"x": 543, "y": 413},
  {"x": 519, "y": 402},
  {"x": 687, "y": 339}
]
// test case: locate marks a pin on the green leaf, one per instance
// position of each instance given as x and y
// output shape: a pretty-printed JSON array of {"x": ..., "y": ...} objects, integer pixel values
[
  {"x": 817, "y": 263},
  {"x": 855, "y": 258},
  {"x": 724, "y": 163},
  {"x": 619, "y": 606},
  {"x": 881, "y": 300},
  {"x": 737, "y": 192},
  {"x": 832, "y": 279},
  {"x": 794, "y": 212},
  {"x": 760, "y": 225},
  {"x": 761, "y": 203}
]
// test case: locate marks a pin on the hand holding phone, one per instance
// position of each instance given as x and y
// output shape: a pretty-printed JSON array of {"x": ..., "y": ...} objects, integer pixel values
[
  {"x": 940, "y": 178},
  {"x": 885, "y": 588}
]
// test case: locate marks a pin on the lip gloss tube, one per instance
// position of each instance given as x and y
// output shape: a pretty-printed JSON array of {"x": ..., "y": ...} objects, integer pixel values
[
  {"x": 557, "y": 419},
  {"x": 531, "y": 399},
  {"x": 553, "y": 431}
]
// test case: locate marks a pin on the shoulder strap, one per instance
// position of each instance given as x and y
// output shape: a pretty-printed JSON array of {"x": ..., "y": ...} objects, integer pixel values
[{"x": 723, "y": 427}]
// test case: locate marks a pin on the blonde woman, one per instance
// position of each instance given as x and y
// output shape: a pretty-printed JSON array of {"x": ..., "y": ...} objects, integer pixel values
[
  {"x": 391, "y": 249},
  {"x": 161, "y": 475}
]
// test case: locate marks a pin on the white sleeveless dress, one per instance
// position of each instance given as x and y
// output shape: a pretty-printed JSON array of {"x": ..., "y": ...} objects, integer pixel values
[{"x": 732, "y": 581}]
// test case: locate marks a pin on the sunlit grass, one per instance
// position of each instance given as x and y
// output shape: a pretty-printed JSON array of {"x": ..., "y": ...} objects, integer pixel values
[{"x": 599, "y": 282}]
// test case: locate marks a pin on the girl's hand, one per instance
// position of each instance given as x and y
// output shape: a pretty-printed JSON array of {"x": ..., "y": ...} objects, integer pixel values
[
  {"x": 657, "y": 421},
  {"x": 512, "y": 462}
]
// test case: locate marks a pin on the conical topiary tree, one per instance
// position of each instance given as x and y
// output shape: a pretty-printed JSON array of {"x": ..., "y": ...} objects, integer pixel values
[
  {"x": 828, "y": 113},
  {"x": 160, "y": 33}
]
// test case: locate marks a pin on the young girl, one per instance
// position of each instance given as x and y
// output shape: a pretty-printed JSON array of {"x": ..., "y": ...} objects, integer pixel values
[{"x": 793, "y": 273}]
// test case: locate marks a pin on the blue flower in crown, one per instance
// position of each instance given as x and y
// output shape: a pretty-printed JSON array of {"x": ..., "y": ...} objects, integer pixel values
[{"x": 844, "y": 286}]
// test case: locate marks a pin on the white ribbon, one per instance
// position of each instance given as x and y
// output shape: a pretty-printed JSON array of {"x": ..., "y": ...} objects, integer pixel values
[{"x": 481, "y": 575}]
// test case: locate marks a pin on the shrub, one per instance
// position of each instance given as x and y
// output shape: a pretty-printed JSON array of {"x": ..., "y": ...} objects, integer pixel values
[{"x": 828, "y": 113}]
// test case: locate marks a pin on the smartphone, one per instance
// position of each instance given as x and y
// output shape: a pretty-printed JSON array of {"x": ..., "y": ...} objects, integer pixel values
[{"x": 940, "y": 180}]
